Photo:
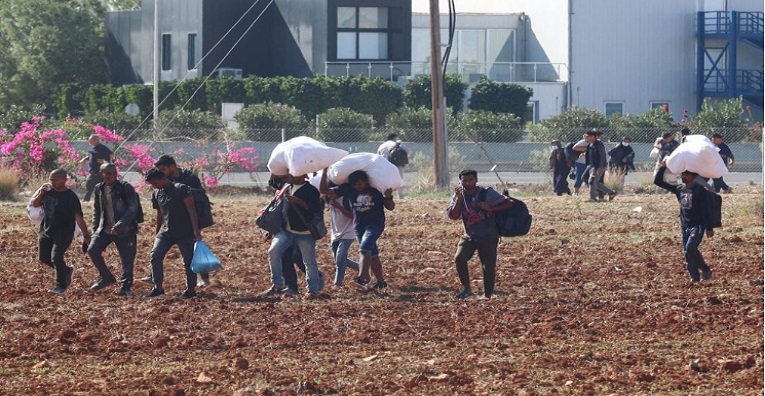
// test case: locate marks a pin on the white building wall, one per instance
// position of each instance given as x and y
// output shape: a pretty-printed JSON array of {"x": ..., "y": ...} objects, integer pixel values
[{"x": 633, "y": 52}]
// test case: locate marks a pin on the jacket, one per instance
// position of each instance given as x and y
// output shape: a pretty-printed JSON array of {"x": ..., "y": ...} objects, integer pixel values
[{"x": 124, "y": 203}]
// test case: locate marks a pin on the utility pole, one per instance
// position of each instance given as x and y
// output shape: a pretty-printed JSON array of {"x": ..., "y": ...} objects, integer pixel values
[
  {"x": 437, "y": 99},
  {"x": 155, "y": 77}
]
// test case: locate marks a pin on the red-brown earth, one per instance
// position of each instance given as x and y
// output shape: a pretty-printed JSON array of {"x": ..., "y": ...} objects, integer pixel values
[{"x": 595, "y": 300}]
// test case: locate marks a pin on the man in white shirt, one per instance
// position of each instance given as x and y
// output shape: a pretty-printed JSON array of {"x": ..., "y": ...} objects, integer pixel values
[{"x": 386, "y": 148}]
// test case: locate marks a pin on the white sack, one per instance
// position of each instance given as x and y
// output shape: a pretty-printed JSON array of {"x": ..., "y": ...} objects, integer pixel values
[
  {"x": 301, "y": 156},
  {"x": 36, "y": 215},
  {"x": 382, "y": 174},
  {"x": 699, "y": 155}
]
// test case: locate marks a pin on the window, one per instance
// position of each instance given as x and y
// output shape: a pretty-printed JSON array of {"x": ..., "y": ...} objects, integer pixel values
[
  {"x": 166, "y": 39},
  {"x": 362, "y": 33},
  {"x": 193, "y": 55},
  {"x": 659, "y": 104},
  {"x": 614, "y": 108}
]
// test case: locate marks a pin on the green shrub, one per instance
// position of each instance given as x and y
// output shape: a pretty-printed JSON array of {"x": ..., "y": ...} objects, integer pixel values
[
  {"x": 117, "y": 121},
  {"x": 724, "y": 116},
  {"x": 654, "y": 120},
  {"x": 568, "y": 126},
  {"x": 367, "y": 96},
  {"x": 485, "y": 126},
  {"x": 417, "y": 92},
  {"x": 499, "y": 97},
  {"x": 224, "y": 90},
  {"x": 69, "y": 99},
  {"x": 12, "y": 118},
  {"x": 142, "y": 96},
  {"x": 344, "y": 125},
  {"x": 261, "y": 90},
  {"x": 416, "y": 125},
  {"x": 263, "y": 122},
  {"x": 9, "y": 183},
  {"x": 191, "y": 96},
  {"x": 305, "y": 95},
  {"x": 185, "y": 123}
]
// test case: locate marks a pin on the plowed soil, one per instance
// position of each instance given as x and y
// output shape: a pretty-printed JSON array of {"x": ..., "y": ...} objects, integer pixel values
[{"x": 595, "y": 300}]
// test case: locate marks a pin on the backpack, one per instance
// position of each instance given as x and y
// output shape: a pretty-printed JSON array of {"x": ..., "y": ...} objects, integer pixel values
[
  {"x": 398, "y": 156},
  {"x": 513, "y": 221},
  {"x": 571, "y": 155},
  {"x": 714, "y": 207},
  {"x": 203, "y": 207}
]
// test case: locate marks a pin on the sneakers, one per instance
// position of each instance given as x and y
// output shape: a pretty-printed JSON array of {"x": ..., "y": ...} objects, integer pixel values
[
  {"x": 155, "y": 293},
  {"x": 312, "y": 296},
  {"x": 273, "y": 291},
  {"x": 360, "y": 284},
  {"x": 611, "y": 196},
  {"x": 148, "y": 280},
  {"x": 204, "y": 282},
  {"x": 463, "y": 294},
  {"x": 123, "y": 292},
  {"x": 288, "y": 291},
  {"x": 484, "y": 298},
  {"x": 380, "y": 285},
  {"x": 187, "y": 294},
  {"x": 57, "y": 290},
  {"x": 102, "y": 284},
  {"x": 707, "y": 275},
  {"x": 69, "y": 274}
]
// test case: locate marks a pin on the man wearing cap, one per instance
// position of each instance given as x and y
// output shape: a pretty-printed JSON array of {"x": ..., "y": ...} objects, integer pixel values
[
  {"x": 596, "y": 163},
  {"x": 728, "y": 159},
  {"x": 621, "y": 160},
  {"x": 695, "y": 220}
]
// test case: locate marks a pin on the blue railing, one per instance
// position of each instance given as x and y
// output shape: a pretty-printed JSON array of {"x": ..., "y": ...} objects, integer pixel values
[
  {"x": 718, "y": 22},
  {"x": 747, "y": 81}
]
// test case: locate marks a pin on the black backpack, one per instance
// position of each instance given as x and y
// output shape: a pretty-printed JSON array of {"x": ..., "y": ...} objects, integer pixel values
[
  {"x": 513, "y": 221},
  {"x": 714, "y": 208},
  {"x": 398, "y": 156},
  {"x": 203, "y": 207},
  {"x": 571, "y": 155}
]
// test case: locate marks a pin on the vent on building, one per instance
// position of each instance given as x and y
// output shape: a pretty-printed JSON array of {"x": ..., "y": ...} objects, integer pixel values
[{"x": 230, "y": 72}]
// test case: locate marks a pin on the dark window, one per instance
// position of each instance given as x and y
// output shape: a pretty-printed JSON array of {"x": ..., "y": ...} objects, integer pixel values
[
  {"x": 362, "y": 33},
  {"x": 166, "y": 52},
  {"x": 193, "y": 56}
]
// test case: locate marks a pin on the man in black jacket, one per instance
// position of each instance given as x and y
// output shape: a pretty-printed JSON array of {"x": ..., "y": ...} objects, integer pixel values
[
  {"x": 114, "y": 221},
  {"x": 596, "y": 163},
  {"x": 695, "y": 219}
]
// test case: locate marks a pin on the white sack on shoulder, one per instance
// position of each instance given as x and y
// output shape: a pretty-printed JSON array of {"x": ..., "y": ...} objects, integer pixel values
[
  {"x": 382, "y": 174},
  {"x": 36, "y": 215},
  {"x": 301, "y": 156},
  {"x": 699, "y": 155}
]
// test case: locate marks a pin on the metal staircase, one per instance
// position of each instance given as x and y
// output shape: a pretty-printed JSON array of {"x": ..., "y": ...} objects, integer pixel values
[{"x": 718, "y": 38}]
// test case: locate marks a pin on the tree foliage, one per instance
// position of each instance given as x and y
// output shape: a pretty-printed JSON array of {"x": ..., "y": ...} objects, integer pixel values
[
  {"x": 44, "y": 43},
  {"x": 344, "y": 125},
  {"x": 499, "y": 97},
  {"x": 417, "y": 92}
]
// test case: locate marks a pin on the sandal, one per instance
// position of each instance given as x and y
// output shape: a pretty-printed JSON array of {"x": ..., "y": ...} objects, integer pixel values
[{"x": 463, "y": 294}]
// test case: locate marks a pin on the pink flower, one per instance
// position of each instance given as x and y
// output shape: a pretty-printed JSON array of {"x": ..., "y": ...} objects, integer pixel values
[
  {"x": 211, "y": 182},
  {"x": 748, "y": 108}
]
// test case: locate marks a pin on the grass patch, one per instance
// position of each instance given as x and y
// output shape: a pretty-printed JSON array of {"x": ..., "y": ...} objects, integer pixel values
[{"x": 9, "y": 182}]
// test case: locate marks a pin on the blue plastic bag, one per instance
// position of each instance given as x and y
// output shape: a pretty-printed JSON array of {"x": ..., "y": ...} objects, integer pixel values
[{"x": 204, "y": 261}]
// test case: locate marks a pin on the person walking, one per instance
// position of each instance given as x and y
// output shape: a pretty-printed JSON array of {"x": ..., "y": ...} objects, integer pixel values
[
  {"x": 561, "y": 168},
  {"x": 97, "y": 155},
  {"x": 728, "y": 159},
  {"x": 580, "y": 163},
  {"x": 341, "y": 222},
  {"x": 63, "y": 211},
  {"x": 596, "y": 164},
  {"x": 304, "y": 204},
  {"x": 368, "y": 223},
  {"x": 115, "y": 208},
  {"x": 398, "y": 154},
  {"x": 176, "y": 174},
  {"x": 621, "y": 160},
  {"x": 480, "y": 226},
  {"x": 666, "y": 144},
  {"x": 176, "y": 224},
  {"x": 695, "y": 220}
]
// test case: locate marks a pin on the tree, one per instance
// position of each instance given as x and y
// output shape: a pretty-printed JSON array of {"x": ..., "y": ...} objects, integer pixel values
[
  {"x": 44, "y": 43},
  {"x": 499, "y": 97}
]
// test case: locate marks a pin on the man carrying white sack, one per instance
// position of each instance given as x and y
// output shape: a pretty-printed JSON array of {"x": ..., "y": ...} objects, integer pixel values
[{"x": 397, "y": 153}]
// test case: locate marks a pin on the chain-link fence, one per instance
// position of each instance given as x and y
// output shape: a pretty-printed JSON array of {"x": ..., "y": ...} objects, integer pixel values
[{"x": 520, "y": 151}]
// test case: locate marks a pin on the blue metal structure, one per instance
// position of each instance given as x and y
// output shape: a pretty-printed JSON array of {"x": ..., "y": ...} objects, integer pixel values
[{"x": 721, "y": 78}]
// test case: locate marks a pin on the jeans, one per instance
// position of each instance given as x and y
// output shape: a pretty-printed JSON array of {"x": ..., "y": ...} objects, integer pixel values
[
  {"x": 291, "y": 258},
  {"x": 367, "y": 238},
  {"x": 162, "y": 244},
  {"x": 90, "y": 184},
  {"x": 307, "y": 245},
  {"x": 50, "y": 251},
  {"x": 694, "y": 261},
  {"x": 580, "y": 168},
  {"x": 126, "y": 246},
  {"x": 487, "y": 252},
  {"x": 340, "y": 248},
  {"x": 401, "y": 172},
  {"x": 596, "y": 185}
]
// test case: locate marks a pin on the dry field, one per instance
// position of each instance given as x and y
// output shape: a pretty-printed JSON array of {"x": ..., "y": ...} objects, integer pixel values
[{"x": 595, "y": 300}]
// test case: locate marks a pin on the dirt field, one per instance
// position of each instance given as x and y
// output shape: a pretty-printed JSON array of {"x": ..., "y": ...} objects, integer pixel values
[{"x": 595, "y": 300}]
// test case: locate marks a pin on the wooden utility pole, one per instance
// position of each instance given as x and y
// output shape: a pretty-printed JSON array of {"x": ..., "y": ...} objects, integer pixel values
[
  {"x": 155, "y": 74},
  {"x": 437, "y": 99}
]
